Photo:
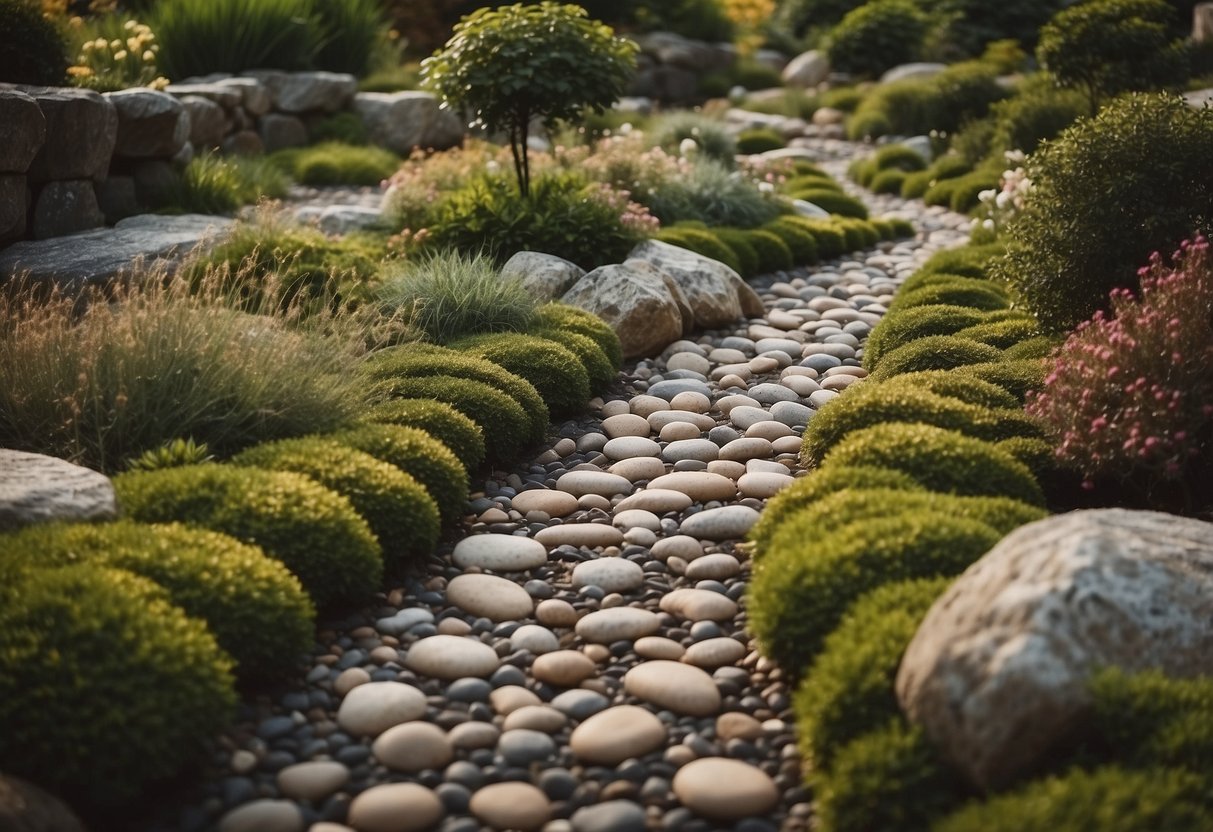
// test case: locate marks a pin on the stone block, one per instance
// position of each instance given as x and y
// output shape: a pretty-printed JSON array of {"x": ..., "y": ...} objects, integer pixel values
[
  {"x": 22, "y": 130},
  {"x": 280, "y": 131},
  {"x": 151, "y": 124},
  {"x": 66, "y": 207},
  {"x": 81, "y": 131},
  {"x": 14, "y": 208},
  {"x": 208, "y": 122}
]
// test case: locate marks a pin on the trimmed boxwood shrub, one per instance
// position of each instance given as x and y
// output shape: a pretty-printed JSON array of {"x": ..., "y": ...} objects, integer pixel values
[
  {"x": 419, "y": 455},
  {"x": 901, "y": 228},
  {"x": 831, "y": 240},
  {"x": 945, "y": 167},
  {"x": 819, "y": 484},
  {"x": 597, "y": 365},
  {"x": 314, "y": 531},
  {"x": 800, "y": 241},
  {"x": 959, "y": 193},
  {"x": 556, "y": 373},
  {"x": 773, "y": 253},
  {"x": 850, "y": 686},
  {"x": 935, "y": 352},
  {"x": 1042, "y": 346},
  {"x": 425, "y": 360},
  {"x": 506, "y": 427},
  {"x": 939, "y": 460},
  {"x": 1150, "y": 719},
  {"x": 700, "y": 241},
  {"x": 835, "y": 202},
  {"x": 901, "y": 328},
  {"x": 899, "y": 157},
  {"x": 866, "y": 125},
  {"x": 877, "y": 36},
  {"x": 256, "y": 609},
  {"x": 888, "y": 182},
  {"x": 105, "y": 686},
  {"x": 803, "y": 586},
  {"x": 888, "y": 780},
  {"x": 1002, "y": 334},
  {"x": 865, "y": 232},
  {"x": 957, "y": 291},
  {"x": 818, "y": 179},
  {"x": 457, "y": 432},
  {"x": 1109, "y": 799},
  {"x": 865, "y": 405},
  {"x": 556, "y": 315},
  {"x": 955, "y": 385},
  {"x": 759, "y": 140},
  {"x": 399, "y": 510},
  {"x": 743, "y": 249},
  {"x": 936, "y": 282},
  {"x": 965, "y": 261},
  {"x": 1016, "y": 377}
]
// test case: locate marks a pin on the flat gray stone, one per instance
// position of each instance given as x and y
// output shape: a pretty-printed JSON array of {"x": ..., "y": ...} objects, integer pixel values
[{"x": 40, "y": 489}]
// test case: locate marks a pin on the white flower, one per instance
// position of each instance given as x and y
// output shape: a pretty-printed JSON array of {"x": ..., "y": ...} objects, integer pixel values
[
  {"x": 988, "y": 225},
  {"x": 1003, "y": 199},
  {"x": 625, "y": 128},
  {"x": 766, "y": 187},
  {"x": 986, "y": 195},
  {"x": 687, "y": 147},
  {"x": 493, "y": 167}
]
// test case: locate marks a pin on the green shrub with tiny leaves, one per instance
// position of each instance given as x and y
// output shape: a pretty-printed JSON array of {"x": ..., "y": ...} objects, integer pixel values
[
  {"x": 457, "y": 432},
  {"x": 105, "y": 685},
  {"x": 506, "y": 426},
  {"x": 562, "y": 316},
  {"x": 417, "y": 454},
  {"x": 700, "y": 241},
  {"x": 32, "y": 49},
  {"x": 1041, "y": 346},
  {"x": 955, "y": 385},
  {"x": 557, "y": 373},
  {"x": 802, "y": 16},
  {"x": 863, "y": 171},
  {"x": 799, "y": 592},
  {"x": 759, "y": 140},
  {"x": 832, "y": 241},
  {"x": 819, "y": 484},
  {"x": 899, "y": 157},
  {"x": 915, "y": 185},
  {"x": 888, "y": 182},
  {"x": 1002, "y": 334},
  {"x": 337, "y": 163},
  {"x": 958, "y": 291},
  {"x": 314, "y": 531},
  {"x": 739, "y": 243},
  {"x": 812, "y": 179},
  {"x": 891, "y": 779},
  {"x": 1059, "y": 480},
  {"x": 966, "y": 261},
  {"x": 959, "y": 193},
  {"x": 939, "y": 460},
  {"x": 903, "y": 327},
  {"x": 710, "y": 193},
  {"x": 1016, "y": 377},
  {"x": 865, "y": 405},
  {"x": 836, "y": 203},
  {"x": 1109, "y": 798},
  {"x": 256, "y": 609},
  {"x": 935, "y": 352},
  {"x": 1037, "y": 112},
  {"x": 849, "y": 688},
  {"x": 864, "y": 232},
  {"x": 346, "y": 127},
  {"x": 1150, "y": 719},
  {"x": 961, "y": 93},
  {"x": 868, "y": 125},
  {"x": 597, "y": 365},
  {"x": 171, "y": 454},
  {"x": 426, "y": 360},
  {"x": 709, "y": 135},
  {"x": 800, "y": 241},
  {"x": 773, "y": 253},
  {"x": 877, "y": 36}
]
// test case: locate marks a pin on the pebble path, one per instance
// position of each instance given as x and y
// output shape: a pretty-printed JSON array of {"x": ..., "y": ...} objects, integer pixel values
[{"x": 579, "y": 661}]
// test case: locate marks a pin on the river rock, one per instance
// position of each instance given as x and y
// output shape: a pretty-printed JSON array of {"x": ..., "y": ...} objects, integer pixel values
[
  {"x": 631, "y": 447},
  {"x": 714, "y": 567},
  {"x": 625, "y": 424},
  {"x": 580, "y": 483},
  {"x": 638, "y": 301},
  {"x": 725, "y": 790},
  {"x": 395, "y": 807},
  {"x": 81, "y": 130},
  {"x": 698, "y": 485},
  {"x": 451, "y": 657},
  {"x": 501, "y": 552},
  {"x": 717, "y": 294},
  {"x": 494, "y": 598},
  {"x": 413, "y": 747},
  {"x": 699, "y": 605},
  {"x": 807, "y": 69},
  {"x": 536, "y": 639},
  {"x": 370, "y": 709},
  {"x": 543, "y": 276},
  {"x": 550, "y": 502},
  {"x": 590, "y": 535},
  {"x": 22, "y": 131},
  {"x": 677, "y": 687},
  {"x": 763, "y": 484},
  {"x": 404, "y": 121},
  {"x": 715, "y": 652},
  {"x": 25, "y": 807},
  {"x": 563, "y": 668},
  {"x": 312, "y": 781},
  {"x": 617, "y": 734},
  {"x": 617, "y": 624},
  {"x": 725, "y": 523},
  {"x": 263, "y": 816},
  {"x": 639, "y": 468},
  {"x": 519, "y": 806},
  {"x": 656, "y": 500},
  {"x": 151, "y": 124},
  {"x": 610, "y": 574}
]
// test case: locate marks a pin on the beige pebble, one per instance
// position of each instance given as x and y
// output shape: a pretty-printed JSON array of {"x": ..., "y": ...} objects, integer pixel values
[
  {"x": 677, "y": 546},
  {"x": 590, "y": 535},
  {"x": 471, "y": 735},
  {"x": 639, "y": 468},
  {"x": 563, "y": 668},
  {"x": 656, "y": 647},
  {"x": 509, "y": 698},
  {"x": 511, "y": 805},
  {"x": 555, "y": 613},
  {"x": 349, "y": 679},
  {"x": 609, "y": 737},
  {"x": 413, "y": 747},
  {"x": 731, "y": 380},
  {"x": 738, "y": 726},
  {"x": 626, "y": 425},
  {"x": 609, "y": 409},
  {"x": 644, "y": 406},
  {"x": 726, "y": 468},
  {"x": 678, "y": 687},
  {"x": 551, "y": 502},
  {"x": 715, "y": 567},
  {"x": 715, "y": 652},
  {"x": 725, "y": 790},
  {"x": 542, "y": 718},
  {"x": 769, "y": 431},
  {"x": 395, "y": 807},
  {"x": 691, "y": 401},
  {"x": 656, "y": 500},
  {"x": 679, "y": 430}
]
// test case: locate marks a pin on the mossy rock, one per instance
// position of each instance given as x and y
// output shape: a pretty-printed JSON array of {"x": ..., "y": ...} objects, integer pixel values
[
  {"x": 555, "y": 372},
  {"x": 835, "y": 202},
  {"x": 105, "y": 686},
  {"x": 457, "y": 432},
  {"x": 1150, "y": 719},
  {"x": 556, "y": 315},
  {"x": 738, "y": 240},
  {"x": 426, "y": 360},
  {"x": 507, "y": 428},
  {"x": 700, "y": 241},
  {"x": 801, "y": 588},
  {"x": 773, "y": 253},
  {"x": 800, "y": 241},
  {"x": 935, "y": 352},
  {"x": 1108, "y": 799},
  {"x": 817, "y": 485},
  {"x": 888, "y": 182},
  {"x": 956, "y": 385},
  {"x": 968, "y": 261},
  {"x": 959, "y": 291},
  {"x": 419, "y": 455},
  {"x": 897, "y": 329},
  {"x": 1016, "y": 377},
  {"x": 940, "y": 460},
  {"x": 399, "y": 510},
  {"x": 888, "y": 780},
  {"x": 867, "y": 404},
  {"x": 850, "y": 686},
  {"x": 597, "y": 365},
  {"x": 256, "y": 609},
  {"x": 314, "y": 531}
]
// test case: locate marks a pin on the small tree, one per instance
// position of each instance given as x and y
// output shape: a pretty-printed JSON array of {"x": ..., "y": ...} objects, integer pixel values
[
  {"x": 509, "y": 65},
  {"x": 1107, "y": 47}
]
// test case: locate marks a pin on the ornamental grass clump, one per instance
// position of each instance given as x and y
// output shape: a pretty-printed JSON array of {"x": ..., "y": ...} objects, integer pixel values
[{"x": 1129, "y": 397}]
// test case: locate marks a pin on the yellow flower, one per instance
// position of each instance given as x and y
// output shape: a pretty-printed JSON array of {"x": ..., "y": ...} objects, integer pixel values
[
  {"x": 158, "y": 83},
  {"x": 79, "y": 71},
  {"x": 149, "y": 56},
  {"x": 120, "y": 55},
  {"x": 100, "y": 43},
  {"x": 76, "y": 22},
  {"x": 88, "y": 46},
  {"x": 115, "y": 44},
  {"x": 129, "y": 25},
  {"x": 133, "y": 44}
]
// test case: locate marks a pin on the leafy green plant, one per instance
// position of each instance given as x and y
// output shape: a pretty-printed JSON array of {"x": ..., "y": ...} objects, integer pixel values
[
  {"x": 877, "y": 36},
  {"x": 336, "y": 163},
  {"x": 1151, "y": 719},
  {"x": 888, "y": 182},
  {"x": 957, "y": 385},
  {"x": 934, "y": 352},
  {"x": 32, "y": 49},
  {"x": 457, "y": 432},
  {"x": 801, "y": 241},
  {"x": 597, "y": 365},
  {"x": 1016, "y": 377},
  {"x": 711, "y": 138},
  {"x": 943, "y": 102},
  {"x": 899, "y": 329},
  {"x": 514, "y": 64},
  {"x": 171, "y": 454},
  {"x": 836, "y": 203},
  {"x": 556, "y": 373},
  {"x": 738, "y": 242},
  {"x": 710, "y": 193},
  {"x": 773, "y": 253},
  {"x": 1035, "y": 113},
  {"x": 915, "y": 185},
  {"x": 198, "y": 37},
  {"x": 213, "y": 184},
  {"x": 983, "y": 295},
  {"x": 351, "y": 33},
  {"x": 345, "y": 128},
  {"x": 969, "y": 26}
]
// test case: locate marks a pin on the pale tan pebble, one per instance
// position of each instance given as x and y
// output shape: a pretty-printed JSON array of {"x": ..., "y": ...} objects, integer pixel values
[
  {"x": 740, "y": 450},
  {"x": 631, "y": 447},
  {"x": 612, "y": 408},
  {"x": 566, "y": 446},
  {"x": 765, "y": 466},
  {"x": 556, "y": 613},
  {"x": 262, "y": 816},
  {"x": 691, "y": 401},
  {"x": 582, "y": 482},
  {"x": 597, "y": 653},
  {"x": 243, "y": 761},
  {"x": 624, "y": 732},
  {"x": 547, "y": 457},
  {"x": 787, "y": 445},
  {"x": 413, "y": 747},
  {"x": 640, "y": 537},
  {"x": 395, "y": 807},
  {"x": 769, "y": 431},
  {"x": 725, "y": 790},
  {"x": 732, "y": 380},
  {"x": 677, "y": 546},
  {"x": 659, "y": 420},
  {"x": 643, "y": 406},
  {"x": 675, "y": 431},
  {"x": 698, "y": 485},
  {"x": 727, "y": 403},
  {"x": 741, "y": 371},
  {"x": 509, "y": 698},
  {"x": 619, "y": 624},
  {"x": 636, "y": 517},
  {"x": 590, "y": 535},
  {"x": 676, "y": 565},
  {"x": 497, "y": 599},
  {"x": 471, "y": 735},
  {"x": 493, "y": 515},
  {"x": 841, "y": 382},
  {"x": 542, "y": 718},
  {"x": 554, "y": 503},
  {"x": 563, "y": 668},
  {"x": 369, "y": 710},
  {"x": 383, "y": 654},
  {"x": 625, "y": 424},
  {"x": 678, "y": 687},
  {"x": 797, "y": 370},
  {"x": 593, "y": 501},
  {"x": 656, "y": 647},
  {"x": 714, "y": 567},
  {"x": 712, "y": 653},
  {"x": 640, "y": 468},
  {"x": 726, "y": 468},
  {"x": 801, "y": 385},
  {"x": 738, "y": 726},
  {"x": 858, "y": 372},
  {"x": 452, "y": 626},
  {"x": 511, "y": 805},
  {"x": 657, "y": 500},
  {"x": 349, "y": 679},
  {"x": 688, "y": 361},
  {"x": 762, "y": 485},
  {"x": 763, "y": 364},
  {"x": 698, "y": 605}
]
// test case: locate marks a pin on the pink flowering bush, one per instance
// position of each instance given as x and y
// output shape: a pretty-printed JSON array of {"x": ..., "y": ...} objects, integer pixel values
[{"x": 1130, "y": 396}]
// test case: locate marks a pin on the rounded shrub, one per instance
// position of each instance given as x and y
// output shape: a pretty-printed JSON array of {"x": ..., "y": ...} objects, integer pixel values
[
  {"x": 556, "y": 373},
  {"x": 1042, "y": 346},
  {"x": 700, "y": 241},
  {"x": 419, "y": 455},
  {"x": 1151, "y": 719},
  {"x": 832, "y": 241},
  {"x": 1109, "y": 798},
  {"x": 819, "y": 484},
  {"x": 850, "y": 686},
  {"x": 313, "y": 531},
  {"x": 956, "y": 385},
  {"x": 865, "y": 405},
  {"x": 935, "y": 352},
  {"x": 959, "y": 193},
  {"x": 562, "y": 316},
  {"x": 773, "y": 253},
  {"x": 802, "y": 587},
  {"x": 939, "y": 460},
  {"x": 399, "y": 510},
  {"x": 867, "y": 125},
  {"x": 899, "y": 157},
  {"x": 759, "y": 140},
  {"x": 877, "y": 36},
  {"x": 867, "y": 234},
  {"x": 904, "y": 327},
  {"x": 923, "y": 279},
  {"x": 32, "y": 50},
  {"x": 965, "y": 261},
  {"x": 884, "y": 228},
  {"x": 506, "y": 427},
  {"x": 739, "y": 243},
  {"x": 835, "y": 202},
  {"x": 901, "y": 228},
  {"x": 424, "y": 360},
  {"x": 815, "y": 179},
  {"x": 1036, "y": 112},
  {"x": 917, "y": 184},
  {"x": 1059, "y": 480},
  {"x": 457, "y": 432},
  {"x": 105, "y": 686},
  {"x": 1016, "y": 377},
  {"x": 1002, "y": 334},
  {"x": 888, "y": 182},
  {"x": 709, "y": 134},
  {"x": 958, "y": 291},
  {"x": 800, "y": 241},
  {"x": 591, "y": 356},
  {"x": 863, "y": 171},
  {"x": 256, "y": 609}
]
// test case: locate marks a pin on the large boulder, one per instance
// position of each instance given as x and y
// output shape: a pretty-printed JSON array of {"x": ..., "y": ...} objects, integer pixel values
[
  {"x": 717, "y": 294},
  {"x": 545, "y": 276},
  {"x": 14, "y": 207},
  {"x": 403, "y": 121},
  {"x": 637, "y": 300},
  {"x": 807, "y": 70},
  {"x": 40, "y": 489},
  {"x": 998, "y": 672},
  {"x": 22, "y": 131},
  {"x": 254, "y": 96},
  {"x": 26, "y": 808},
  {"x": 307, "y": 92},
  {"x": 151, "y": 124},
  {"x": 66, "y": 208},
  {"x": 81, "y": 130}
]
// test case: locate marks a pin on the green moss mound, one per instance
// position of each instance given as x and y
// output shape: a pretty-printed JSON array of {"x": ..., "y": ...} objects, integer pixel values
[
  {"x": 801, "y": 588},
  {"x": 314, "y": 531},
  {"x": 899, "y": 157},
  {"x": 800, "y": 240},
  {"x": 859, "y": 233},
  {"x": 419, "y": 455},
  {"x": 888, "y": 182},
  {"x": 398, "y": 508},
  {"x": 831, "y": 240},
  {"x": 896, "y": 330},
  {"x": 968, "y": 261},
  {"x": 555, "y": 372},
  {"x": 939, "y": 460},
  {"x": 1042, "y": 346},
  {"x": 256, "y": 609},
  {"x": 739, "y": 243},
  {"x": 759, "y": 140},
  {"x": 427, "y": 360},
  {"x": 865, "y": 405},
  {"x": 1109, "y": 799},
  {"x": 1149, "y": 719},
  {"x": 1002, "y": 334},
  {"x": 835, "y": 203},
  {"x": 457, "y": 432},
  {"x": 561, "y": 316},
  {"x": 956, "y": 384},
  {"x": 935, "y": 352},
  {"x": 773, "y": 253},
  {"x": 105, "y": 686},
  {"x": 850, "y": 686},
  {"x": 959, "y": 291},
  {"x": 597, "y": 365},
  {"x": 1016, "y": 377}
]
